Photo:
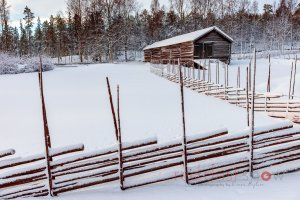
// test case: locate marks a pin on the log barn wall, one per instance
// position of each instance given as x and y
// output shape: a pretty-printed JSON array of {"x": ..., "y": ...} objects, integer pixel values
[{"x": 171, "y": 54}]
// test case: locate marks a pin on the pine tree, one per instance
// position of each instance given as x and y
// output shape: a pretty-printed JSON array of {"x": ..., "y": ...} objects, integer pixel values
[
  {"x": 16, "y": 41},
  {"x": 28, "y": 18},
  {"x": 61, "y": 34},
  {"x": 23, "y": 41},
  {"x": 38, "y": 37}
]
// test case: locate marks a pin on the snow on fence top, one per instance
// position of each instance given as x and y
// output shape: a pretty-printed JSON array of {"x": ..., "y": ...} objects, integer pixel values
[
  {"x": 7, "y": 152},
  {"x": 187, "y": 38}
]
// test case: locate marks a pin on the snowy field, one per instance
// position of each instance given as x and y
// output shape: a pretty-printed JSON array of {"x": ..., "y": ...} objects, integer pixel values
[
  {"x": 280, "y": 74},
  {"x": 79, "y": 112}
]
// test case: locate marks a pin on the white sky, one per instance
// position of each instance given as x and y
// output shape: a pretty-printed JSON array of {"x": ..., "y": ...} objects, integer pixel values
[{"x": 44, "y": 8}]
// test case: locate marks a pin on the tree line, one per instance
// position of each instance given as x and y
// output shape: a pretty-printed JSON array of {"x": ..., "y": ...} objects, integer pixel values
[{"x": 106, "y": 29}]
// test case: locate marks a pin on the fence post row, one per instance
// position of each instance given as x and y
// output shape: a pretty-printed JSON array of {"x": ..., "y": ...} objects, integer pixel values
[
  {"x": 183, "y": 126},
  {"x": 46, "y": 131}
]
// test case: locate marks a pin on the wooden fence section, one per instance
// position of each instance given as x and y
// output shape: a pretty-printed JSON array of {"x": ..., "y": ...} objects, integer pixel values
[
  {"x": 211, "y": 156},
  {"x": 202, "y": 82}
]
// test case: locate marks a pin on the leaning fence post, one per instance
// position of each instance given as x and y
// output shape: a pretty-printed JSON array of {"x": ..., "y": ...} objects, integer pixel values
[
  {"x": 121, "y": 178},
  {"x": 46, "y": 131},
  {"x": 184, "y": 129},
  {"x": 252, "y": 117},
  {"x": 112, "y": 108}
]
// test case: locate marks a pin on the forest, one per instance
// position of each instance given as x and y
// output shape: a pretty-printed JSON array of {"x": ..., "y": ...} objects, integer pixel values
[{"x": 107, "y": 30}]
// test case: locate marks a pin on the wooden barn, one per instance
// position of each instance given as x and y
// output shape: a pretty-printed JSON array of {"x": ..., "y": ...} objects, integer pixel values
[{"x": 191, "y": 48}]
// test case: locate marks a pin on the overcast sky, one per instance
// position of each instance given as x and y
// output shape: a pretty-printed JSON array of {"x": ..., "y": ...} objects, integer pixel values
[{"x": 44, "y": 8}]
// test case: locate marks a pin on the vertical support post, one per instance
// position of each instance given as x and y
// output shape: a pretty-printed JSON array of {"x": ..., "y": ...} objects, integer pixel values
[
  {"x": 112, "y": 108},
  {"x": 250, "y": 77},
  {"x": 184, "y": 155},
  {"x": 199, "y": 73},
  {"x": 218, "y": 72},
  {"x": 209, "y": 72},
  {"x": 295, "y": 72},
  {"x": 247, "y": 96},
  {"x": 252, "y": 116},
  {"x": 238, "y": 83},
  {"x": 291, "y": 77},
  {"x": 121, "y": 177},
  {"x": 269, "y": 76},
  {"x": 225, "y": 82},
  {"x": 204, "y": 70},
  {"x": 217, "y": 63},
  {"x": 227, "y": 76},
  {"x": 193, "y": 73},
  {"x": 239, "y": 78},
  {"x": 47, "y": 138}
]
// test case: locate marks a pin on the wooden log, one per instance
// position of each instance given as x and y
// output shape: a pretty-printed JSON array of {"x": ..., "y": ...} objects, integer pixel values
[
  {"x": 32, "y": 159},
  {"x": 23, "y": 172},
  {"x": 86, "y": 176},
  {"x": 22, "y": 181},
  {"x": 222, "y": 176},
  {"x": 17, "y": 191},
  {"x": 172, "y": 177},
  {"x": 38, "y": 193},
  {"x": 86, "y": 185},
  {"x": 120, "y": 149},
  {"x": 47, "y": 139},
  {"x": 108, "y": 151},
  {"x": 112, "y": 107}
]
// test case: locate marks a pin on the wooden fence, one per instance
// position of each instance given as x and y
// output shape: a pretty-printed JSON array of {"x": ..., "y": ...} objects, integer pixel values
[
  {"x": 211, "y": 156},
  {"x": 201, "y": 81}
]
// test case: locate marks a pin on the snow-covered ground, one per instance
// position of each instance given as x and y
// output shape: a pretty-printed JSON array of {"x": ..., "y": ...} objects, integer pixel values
[
  {"x": 280, "y": 74},
  {"x": 79, "y": 112},
  {"x": 235, "y": 188}
]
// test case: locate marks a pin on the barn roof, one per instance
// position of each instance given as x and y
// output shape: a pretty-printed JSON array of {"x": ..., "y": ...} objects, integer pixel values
[{"x": 187, "y": 38}]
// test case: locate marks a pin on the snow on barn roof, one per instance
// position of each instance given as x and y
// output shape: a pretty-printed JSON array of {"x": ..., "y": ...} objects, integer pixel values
[{"x": 186, "y": 38}]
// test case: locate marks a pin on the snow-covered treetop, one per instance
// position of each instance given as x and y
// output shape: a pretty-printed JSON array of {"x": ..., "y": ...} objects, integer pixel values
[{"x": 187, "y": 38}]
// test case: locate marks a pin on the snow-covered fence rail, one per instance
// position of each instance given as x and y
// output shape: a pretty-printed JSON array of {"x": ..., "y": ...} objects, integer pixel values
[
  {"x": 151, "y": 161},
  {"x": 26, "y": 176},
  {"x": 6, "y": 153},
  {"x": 81, "y": 171}
]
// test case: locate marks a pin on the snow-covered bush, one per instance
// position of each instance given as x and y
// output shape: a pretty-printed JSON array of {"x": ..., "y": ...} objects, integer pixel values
[{"x": 15, "y": 65}]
